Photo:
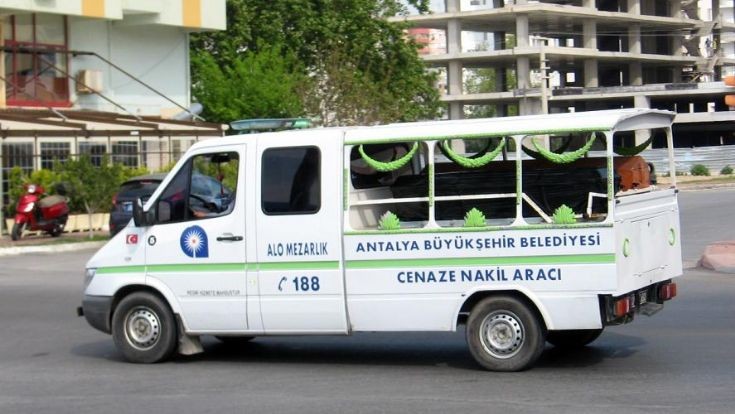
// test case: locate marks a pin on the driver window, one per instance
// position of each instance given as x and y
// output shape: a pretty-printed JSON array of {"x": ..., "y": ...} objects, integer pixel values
[{"x": 204, "y": 188}]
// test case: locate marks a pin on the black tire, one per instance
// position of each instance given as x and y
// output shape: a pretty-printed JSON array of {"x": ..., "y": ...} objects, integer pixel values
[
  {"x": 17, "y": 231},
  {"x": 144, "y": 328},
  {"x": 234, "y": 340},
  {"x": 57, "y": 230},
  {"x": 60, "y": 225},
  {"x": 573, "y": 338},
  {"x": 504, "y": 334}
]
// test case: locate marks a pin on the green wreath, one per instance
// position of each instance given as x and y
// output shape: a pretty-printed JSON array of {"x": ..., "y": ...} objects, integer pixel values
[
  {"x": 469, "y": 162},
  {"x": 629, "y": 152},
  {"x": 536, "y": 156},
  {"x": 567, "y": 157},
  {"x": 391, "y": 165}
]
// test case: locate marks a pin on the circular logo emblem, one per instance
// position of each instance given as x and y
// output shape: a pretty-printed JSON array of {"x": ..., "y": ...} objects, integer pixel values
[{"x": 194, "y": 242}]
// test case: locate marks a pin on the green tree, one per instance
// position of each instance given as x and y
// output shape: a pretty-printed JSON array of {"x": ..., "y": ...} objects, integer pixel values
[
  {"x": 91, "y": 187},
  {"x": 352, "y": 64},
  {"x": 253, "y": 85}
]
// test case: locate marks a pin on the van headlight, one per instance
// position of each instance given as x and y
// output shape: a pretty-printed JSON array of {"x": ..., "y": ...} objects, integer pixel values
[{"x": 88, "y": 276}]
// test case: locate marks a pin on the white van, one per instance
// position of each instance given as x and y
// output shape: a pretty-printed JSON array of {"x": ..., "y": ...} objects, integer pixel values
[{"x": 544, "y": 235}]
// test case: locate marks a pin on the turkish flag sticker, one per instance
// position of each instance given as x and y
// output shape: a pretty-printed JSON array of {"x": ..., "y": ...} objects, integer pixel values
[{"x": 131, "y": 239}]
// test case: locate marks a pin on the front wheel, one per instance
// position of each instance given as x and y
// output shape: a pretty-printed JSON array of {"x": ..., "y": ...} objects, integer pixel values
[
  {"x": 503, "y": 334},
  {"x": 144, "y": 329},
  {"x": 573, "y": 338},
  {"x": 17, "y": 232}
]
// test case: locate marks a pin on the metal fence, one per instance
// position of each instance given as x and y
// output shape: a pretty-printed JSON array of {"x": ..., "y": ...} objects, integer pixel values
[{"x": 714, "y": 158}]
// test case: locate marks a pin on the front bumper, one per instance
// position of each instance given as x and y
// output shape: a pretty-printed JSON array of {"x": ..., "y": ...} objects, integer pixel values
[{"x": 96, "y": 310}]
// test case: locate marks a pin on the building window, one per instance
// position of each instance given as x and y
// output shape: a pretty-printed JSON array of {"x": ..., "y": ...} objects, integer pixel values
[
  {"x": 53, "y": 152},
  {"x": 95, "y": 152},
  {"x": 291, "y": 181},
  {"x": 15, "y": 155},
  {"x": 34, "y": 60},
  {"x": 125, "y": 153}
]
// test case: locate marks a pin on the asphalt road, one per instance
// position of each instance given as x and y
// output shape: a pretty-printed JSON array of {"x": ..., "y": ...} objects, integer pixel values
[{"x": 681, "y": 360}]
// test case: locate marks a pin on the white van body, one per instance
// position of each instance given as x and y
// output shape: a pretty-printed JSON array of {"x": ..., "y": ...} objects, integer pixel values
[{"x": 331, "y": 269}]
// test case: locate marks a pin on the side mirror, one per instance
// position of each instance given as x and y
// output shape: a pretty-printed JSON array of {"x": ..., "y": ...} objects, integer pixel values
[{"x": 142, "y": 218}]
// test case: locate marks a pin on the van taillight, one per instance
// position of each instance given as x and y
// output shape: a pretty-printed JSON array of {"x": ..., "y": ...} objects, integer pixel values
[
  {"x": 622, "y": 306},
  {"x": 667, "y": 291},
  {"x": 114, "y": 200}
]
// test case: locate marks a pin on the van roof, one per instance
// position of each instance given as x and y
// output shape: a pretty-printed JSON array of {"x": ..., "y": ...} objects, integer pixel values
[{"x": 607, "y": 120}]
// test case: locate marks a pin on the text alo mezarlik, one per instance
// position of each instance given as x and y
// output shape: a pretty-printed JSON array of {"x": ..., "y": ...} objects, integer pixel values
[
  {"x": 478, "y": 275},
  {"x": 297, "y": 249}
]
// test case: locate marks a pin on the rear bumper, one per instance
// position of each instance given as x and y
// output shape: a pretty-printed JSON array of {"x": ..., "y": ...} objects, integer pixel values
[
  {"x": 616, "y": 310},
  {"x": 97, "y": 310}
]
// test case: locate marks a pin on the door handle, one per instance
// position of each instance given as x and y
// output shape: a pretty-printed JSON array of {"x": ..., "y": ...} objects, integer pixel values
[{"x": 229, "y": 238}]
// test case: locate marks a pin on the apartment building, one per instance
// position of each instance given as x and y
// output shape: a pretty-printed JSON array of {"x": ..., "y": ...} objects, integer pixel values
[{"x": 580, "y": 55}]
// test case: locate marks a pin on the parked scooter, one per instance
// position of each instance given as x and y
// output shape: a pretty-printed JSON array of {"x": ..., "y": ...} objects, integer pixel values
[{"x": 34, "y": 213}]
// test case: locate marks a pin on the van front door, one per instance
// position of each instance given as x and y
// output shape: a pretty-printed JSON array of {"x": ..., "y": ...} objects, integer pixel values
[{"x": 196, "y": 249}]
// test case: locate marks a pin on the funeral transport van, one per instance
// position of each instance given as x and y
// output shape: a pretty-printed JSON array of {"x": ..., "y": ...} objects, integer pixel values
[{"x": 522, "y": 230}]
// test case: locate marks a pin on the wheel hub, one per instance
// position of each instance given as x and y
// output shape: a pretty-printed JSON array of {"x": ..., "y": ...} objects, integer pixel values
[
  {"x": 142, "y": 328},
  {"x": 502, "y": 334}
]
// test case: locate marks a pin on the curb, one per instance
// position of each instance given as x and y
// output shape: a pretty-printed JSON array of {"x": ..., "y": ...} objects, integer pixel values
[
  {"x": 54, "y": 248},
  {"x": 702, "y": 187},
  {"x": 719, "y": 256}
]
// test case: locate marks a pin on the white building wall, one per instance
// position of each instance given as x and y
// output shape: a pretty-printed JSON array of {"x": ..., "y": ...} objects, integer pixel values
[{"x": 157, "y": 55}]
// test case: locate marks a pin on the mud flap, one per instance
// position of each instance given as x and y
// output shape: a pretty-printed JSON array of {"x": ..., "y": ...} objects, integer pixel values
[{"x": 188, "y": 344}]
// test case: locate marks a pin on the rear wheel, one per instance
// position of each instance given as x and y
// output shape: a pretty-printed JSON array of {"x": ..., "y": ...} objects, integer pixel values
[
  {"x": 144, "y": 329},
  {"x": 18, "y": 230},
  {"x": 504, "y": 334},
  {"x": 573, "y": 338},
  {"x": 58, "y": 228}
]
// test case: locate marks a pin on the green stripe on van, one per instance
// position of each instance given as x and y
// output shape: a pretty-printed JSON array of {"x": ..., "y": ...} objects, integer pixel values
[
  {"x": 484, "y": 261},
  {"x": 221, "y": 267},
  {"x": 299, "y": 265},
  {"x": 121, "y": 269},
  {"x": 367, "y": 264},
  {"x": 205, "y": 267}
]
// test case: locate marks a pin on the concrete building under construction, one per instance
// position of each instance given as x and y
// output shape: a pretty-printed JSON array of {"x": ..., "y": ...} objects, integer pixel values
[{"x": 505, "y": 57}]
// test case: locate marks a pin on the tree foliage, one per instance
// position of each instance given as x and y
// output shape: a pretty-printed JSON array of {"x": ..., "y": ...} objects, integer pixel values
[
  {"x": 340, "y": 61},
  {"x": 254, "y": 85}
]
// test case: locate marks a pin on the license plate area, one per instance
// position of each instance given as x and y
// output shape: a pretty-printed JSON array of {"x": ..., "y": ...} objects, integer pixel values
[
  {"x": 127, "y": 207},
  {"x": 642, "y": 297}
]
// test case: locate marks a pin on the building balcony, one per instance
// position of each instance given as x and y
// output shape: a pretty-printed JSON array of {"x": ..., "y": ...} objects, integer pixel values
[{"x": 548, "y": 17}]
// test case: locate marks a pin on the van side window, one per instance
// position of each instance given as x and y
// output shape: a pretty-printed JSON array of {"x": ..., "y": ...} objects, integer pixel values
[
  {"x": 291, "y": 180},
  {"x": 203, "y": 188}
]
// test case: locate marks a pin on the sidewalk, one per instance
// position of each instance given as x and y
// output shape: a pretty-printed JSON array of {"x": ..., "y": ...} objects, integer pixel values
[
  {"x": 47, "y": 244},
  {"x": 688, "y": 182}
]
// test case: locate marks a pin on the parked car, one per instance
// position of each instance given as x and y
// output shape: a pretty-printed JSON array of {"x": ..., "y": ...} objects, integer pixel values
[
  {"x": 208, "y": 194},
  {"x": 131, "y": 190}
]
